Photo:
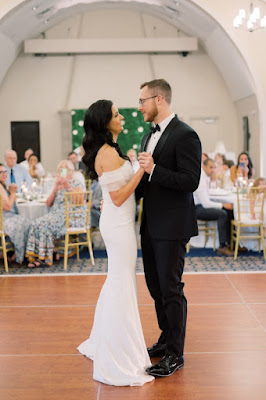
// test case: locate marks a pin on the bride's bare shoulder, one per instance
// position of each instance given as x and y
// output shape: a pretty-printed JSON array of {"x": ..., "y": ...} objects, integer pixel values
[
  {"x": 105, "y": 152},
  {"x": 107, "y": 159}
]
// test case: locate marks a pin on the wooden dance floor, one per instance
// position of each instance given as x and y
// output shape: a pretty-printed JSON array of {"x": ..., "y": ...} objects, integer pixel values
[{"x": 44, "y": 319}]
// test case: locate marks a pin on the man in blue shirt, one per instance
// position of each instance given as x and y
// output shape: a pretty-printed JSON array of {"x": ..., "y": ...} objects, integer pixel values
[
  {"x": 16, "y": 173},
  {"x": 96, "y": 203}
]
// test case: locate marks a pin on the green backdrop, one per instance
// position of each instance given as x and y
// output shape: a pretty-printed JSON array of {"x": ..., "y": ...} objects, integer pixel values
[{"x": 134, "y": 129}]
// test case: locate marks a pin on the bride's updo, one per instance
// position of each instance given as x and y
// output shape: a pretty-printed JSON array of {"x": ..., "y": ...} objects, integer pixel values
[{"x": 96, "y": 119}]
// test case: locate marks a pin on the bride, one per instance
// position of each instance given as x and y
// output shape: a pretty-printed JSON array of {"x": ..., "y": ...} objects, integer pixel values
[{"x": 116, "y": 343}]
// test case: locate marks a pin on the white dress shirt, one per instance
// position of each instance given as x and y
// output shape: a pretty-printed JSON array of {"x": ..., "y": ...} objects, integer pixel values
[
  {"x": 201, "y": 195},
  {"x": 156, "y": 135}
]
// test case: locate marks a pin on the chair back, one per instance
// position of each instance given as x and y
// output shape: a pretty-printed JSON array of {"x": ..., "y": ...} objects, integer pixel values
[
  {"x": 1, "y": 216},
  {"x": 3, "y": 244},
  {"x": 250, "y": 205},
  {"x": 77, "y": 209},
  {"x": 88, "y": 184}
]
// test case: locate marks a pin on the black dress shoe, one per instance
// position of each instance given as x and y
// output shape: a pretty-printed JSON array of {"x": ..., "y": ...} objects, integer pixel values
[
  {"x": 157, "y": 350},
  {"x": 166, "y": 366},
  {"x": 242, "y": 249}
]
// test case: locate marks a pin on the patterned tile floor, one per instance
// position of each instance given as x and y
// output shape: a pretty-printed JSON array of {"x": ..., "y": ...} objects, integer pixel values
[{"x": 197, "y": 260}]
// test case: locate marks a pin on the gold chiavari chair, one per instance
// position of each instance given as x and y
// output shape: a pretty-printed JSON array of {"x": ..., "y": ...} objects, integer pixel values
[
  {"x": 77, "y": 209},
  {"x": 248, "y": 218},
  {"x": 3, "y": 244},
  {"x": 88, "y": 184},
  {"x": 208, "y": 228}
]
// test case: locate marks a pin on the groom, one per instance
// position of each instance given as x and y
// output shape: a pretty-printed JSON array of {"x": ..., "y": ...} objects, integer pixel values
[{"x": 171, "y": 157}]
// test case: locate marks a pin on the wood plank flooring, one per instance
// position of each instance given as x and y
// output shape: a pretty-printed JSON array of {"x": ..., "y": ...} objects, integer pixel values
[{"x": 44, "y": 319}]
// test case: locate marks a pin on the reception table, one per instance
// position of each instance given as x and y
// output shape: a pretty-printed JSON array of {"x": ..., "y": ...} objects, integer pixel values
[
  {"x": 31, "y": 201},
  {"x": 32, "y": 209},
  {"x": 223, "y": 196}
]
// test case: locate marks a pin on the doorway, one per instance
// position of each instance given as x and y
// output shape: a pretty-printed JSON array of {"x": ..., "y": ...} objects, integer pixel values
[{"x": 25, "y": 135}]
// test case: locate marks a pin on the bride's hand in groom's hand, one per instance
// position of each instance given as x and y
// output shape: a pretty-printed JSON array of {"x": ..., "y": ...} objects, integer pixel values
[{"x": 146, "y": 162}]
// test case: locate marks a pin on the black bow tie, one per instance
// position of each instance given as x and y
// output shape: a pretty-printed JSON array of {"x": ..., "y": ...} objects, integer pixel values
[{"x": 155, "y": 128}]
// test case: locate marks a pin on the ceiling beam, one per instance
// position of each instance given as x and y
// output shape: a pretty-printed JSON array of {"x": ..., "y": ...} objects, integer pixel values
[{"x": 109, "y": 46}]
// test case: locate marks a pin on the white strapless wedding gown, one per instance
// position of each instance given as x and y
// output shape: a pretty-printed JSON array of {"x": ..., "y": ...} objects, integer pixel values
[{"x": 116, "y": 344}]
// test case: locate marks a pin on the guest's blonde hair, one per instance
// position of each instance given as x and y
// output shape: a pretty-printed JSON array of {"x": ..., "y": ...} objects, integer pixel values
[{"x": 258, "y": 181}]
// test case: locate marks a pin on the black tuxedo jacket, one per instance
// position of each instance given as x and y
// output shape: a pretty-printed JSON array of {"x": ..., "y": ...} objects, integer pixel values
[{"x": 168, "y": 204}]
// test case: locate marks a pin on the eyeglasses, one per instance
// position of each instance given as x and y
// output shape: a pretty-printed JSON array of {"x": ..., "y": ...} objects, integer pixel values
[
  {"x": 142, "y": 101},
  {"x": 3, "y": 172}
]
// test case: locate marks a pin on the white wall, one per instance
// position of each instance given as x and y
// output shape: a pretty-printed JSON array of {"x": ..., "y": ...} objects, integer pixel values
[
  {"x": 251, "y": 46},
  {"x": 37, "y": 88},
  {"x": 248, "y": 107}
]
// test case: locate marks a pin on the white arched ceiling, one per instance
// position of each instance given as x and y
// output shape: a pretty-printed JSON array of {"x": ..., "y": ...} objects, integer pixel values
[{"x": 26, "y": 19}]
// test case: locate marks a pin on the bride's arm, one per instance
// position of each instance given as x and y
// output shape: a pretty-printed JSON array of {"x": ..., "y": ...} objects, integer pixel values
[
  {"x": 121, "y": 195},
  {"x": 111, "y": 161}
]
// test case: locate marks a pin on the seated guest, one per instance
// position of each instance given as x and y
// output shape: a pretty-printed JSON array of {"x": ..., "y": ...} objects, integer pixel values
[
  {"x": 207, "y": 210},
  {"x": 219, "y": 161},
  {"x": 78, "y": 173},
  {"x": 213, "y": 178},
  {"x": 79, "y": 165},
  {"x": 15, "y": 226},
  {"x": 227, "y": 165},
  {"x": 203, "y": 157},
  {"x": 46, "y": 229},
  {"x": 80, "y": 152},
  {"x": 243, "y": 168},
  {"x": 96, "y": 204},
  {"x": 219, "y": 170},
  {"x": 132, "y": 155},
  {"x": 15, "y": 172},
  {"x": 259, "y": 183},
  {"x": 227, "y": 183},
  {"x": 34, "y": 167},
  {"x": 25, "y": 163}
]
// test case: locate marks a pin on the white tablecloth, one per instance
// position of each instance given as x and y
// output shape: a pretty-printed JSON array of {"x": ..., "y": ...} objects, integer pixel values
[{"x": 32, "y": 209}]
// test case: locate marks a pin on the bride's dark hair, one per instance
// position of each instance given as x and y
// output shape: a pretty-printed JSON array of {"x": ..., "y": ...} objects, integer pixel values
[{"x": 96, "y": 119}]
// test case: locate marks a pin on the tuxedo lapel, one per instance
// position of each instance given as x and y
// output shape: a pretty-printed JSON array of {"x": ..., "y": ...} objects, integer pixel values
[
  {"x": 145, "y": 141},
  {"x": 163, "y": 138}
]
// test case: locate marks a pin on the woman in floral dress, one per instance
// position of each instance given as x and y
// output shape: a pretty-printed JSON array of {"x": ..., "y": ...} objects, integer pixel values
[
  {"x": 45, "y": 230},
  {"x": 15, "y": 226}
]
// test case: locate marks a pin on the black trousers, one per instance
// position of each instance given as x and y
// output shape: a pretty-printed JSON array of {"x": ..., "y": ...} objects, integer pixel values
[
  {"x": 223, "y": 218},
  {"x": 163, "y": 266}
]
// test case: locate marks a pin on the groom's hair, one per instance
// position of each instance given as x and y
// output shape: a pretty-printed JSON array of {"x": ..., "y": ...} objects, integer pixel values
[{"x": 159, "y": 86}]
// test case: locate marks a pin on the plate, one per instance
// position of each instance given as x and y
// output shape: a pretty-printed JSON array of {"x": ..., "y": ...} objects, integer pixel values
[
  {"x": 42, "y": 201},
  {"x": 20, "y": 201}
]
